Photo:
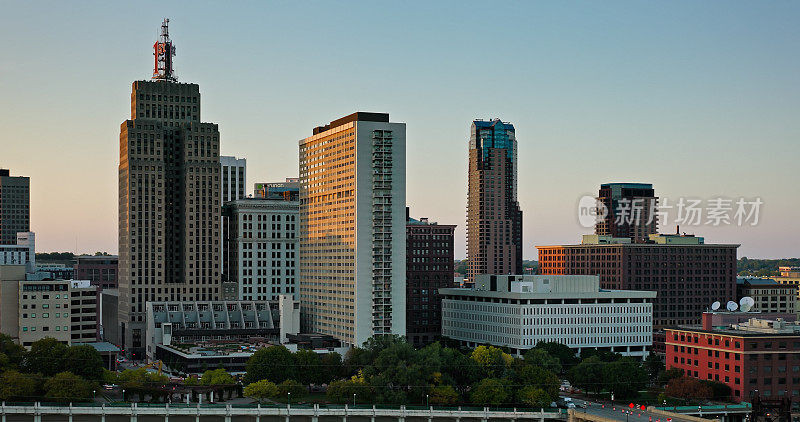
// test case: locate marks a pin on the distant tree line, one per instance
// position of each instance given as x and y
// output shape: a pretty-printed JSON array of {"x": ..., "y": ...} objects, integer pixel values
[{"x": 764, "y": 267}]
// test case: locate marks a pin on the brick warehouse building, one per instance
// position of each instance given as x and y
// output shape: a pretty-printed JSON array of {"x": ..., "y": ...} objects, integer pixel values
[
  {"x": 755, "y": 356},
  {"x": 429, "y": 267},
  {"x": 687, "y": 274}
]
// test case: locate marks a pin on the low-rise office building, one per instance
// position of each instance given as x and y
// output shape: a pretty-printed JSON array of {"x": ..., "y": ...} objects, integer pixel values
[
  {"x": 23, "y": 253},
  {"x": 191, "y": 336},
  {"x": 756, "y": 356},
  {"x": 261, "y": 253},
  {"x": 768, "y": 294},
  {"x": 519, "y": 311},
  {"x": 66, "y": 310},
  {"x": 100, "y": 270}
]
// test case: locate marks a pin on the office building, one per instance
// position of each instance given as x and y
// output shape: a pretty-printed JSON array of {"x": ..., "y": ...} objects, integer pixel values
[
  {"x": 494, "y": 219},
  {"x": 688, "y": 274},
  {"x": 233, "y": 173},
  {"x": 520, "y": 311},
  {"x": 757, "y": 356},
  {"x": 768, "y": 294},
  {"x": 262, "y": 248},
  {"x": 429, "y": 267},
  {"x": 193, "y": 337},
  {"x": 288, "y": 190},
  {"x": 352, "y": 220},
  {"x": 66, "y": 310},
  {"x": 23, "y": 252},
  {"x": 14, "y": 206},
  {"x": 630, "y": 211},
  {"x": 169, "y": 199},
  {"x": 100, "y": 270}
]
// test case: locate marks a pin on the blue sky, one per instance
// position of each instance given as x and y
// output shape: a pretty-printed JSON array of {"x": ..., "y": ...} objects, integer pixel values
[{"x": 699, "y": 98}]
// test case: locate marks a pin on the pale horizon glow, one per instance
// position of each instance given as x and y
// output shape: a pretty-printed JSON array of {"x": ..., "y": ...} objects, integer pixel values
[{"x": 698, "y": 98}]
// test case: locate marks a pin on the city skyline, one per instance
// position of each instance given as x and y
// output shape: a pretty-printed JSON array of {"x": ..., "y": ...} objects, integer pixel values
[{"x": 690, "y": 107}]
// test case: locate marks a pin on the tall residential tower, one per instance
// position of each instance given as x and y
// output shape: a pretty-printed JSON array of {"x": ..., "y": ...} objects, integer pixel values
[
  {"x": 494, "y": 219},
  {"x": 169, "y": 199},
  {"x": 352, "y": 228}
]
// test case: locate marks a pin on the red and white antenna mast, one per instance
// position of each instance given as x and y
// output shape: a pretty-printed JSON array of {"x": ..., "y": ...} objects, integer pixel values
[{"x": 164, "y": 51}]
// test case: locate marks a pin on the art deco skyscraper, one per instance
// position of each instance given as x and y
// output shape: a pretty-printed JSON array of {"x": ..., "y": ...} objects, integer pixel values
[
  {"x": 352, "y": 228},
  {"x": 494, "y": 219},
  {"x": 169, "y": 199}
]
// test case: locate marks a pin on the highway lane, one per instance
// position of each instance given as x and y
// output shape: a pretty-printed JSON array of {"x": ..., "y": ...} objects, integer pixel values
[{"x": 621, "y": 412}]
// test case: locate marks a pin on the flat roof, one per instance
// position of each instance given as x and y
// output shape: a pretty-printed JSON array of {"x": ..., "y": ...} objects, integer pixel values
[{"x": 601, "y": 294}]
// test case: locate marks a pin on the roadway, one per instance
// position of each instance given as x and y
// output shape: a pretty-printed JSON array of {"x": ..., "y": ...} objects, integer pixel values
[{"x": 622, "y": 412}]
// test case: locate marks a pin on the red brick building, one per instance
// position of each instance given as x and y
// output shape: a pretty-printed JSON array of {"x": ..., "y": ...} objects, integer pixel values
[
  {"x": 758, "y": 355},
  {"x": 687, "y": 274},
  {"x": 429, "y": 267},
  {"x": 101, "y": 270}
]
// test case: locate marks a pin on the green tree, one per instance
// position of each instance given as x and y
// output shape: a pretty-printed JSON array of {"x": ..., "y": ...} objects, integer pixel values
[
  {"x": 274, "y": 363},
  {"x": 85, "y": 362},
  {"x": 625, "y": 377},
  {"x": 343, "y": 391},
  {"x": 309, "y": 367},
  {"x": 330, "y": 368},
  {"x": 443, "y": 394},
  {"x": 540, "y": 357},
  {"x": 291, "y": 386},
  {"x": 261, "y": 390},
  {"x": 492, "y": 359},
  {"x": 67, "y": 387},
  {"x": 16, "y": 386},
  {"x": 653, "y": 365},
  {"x": 670, "y": 374},
  {"x": 588, "y": 374},
  {"x": 490, "y": 391},
  {"x": 191, "y": 380},
  {"x": 541, "y": 378},
  {"x": 564, "y": 354},
  {"x": 460, "y": 370},
  {"x": 140, "y": 381},
  {"x": 46, "y": 356},
  {"x": 13, "y": 351},
  {"x": 534, "y": 396},
  {"x": 216, "y": 377},
  {"x": 719, "y": 391}
]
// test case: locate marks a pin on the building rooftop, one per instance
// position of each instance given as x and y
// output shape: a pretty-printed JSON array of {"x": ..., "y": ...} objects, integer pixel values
[
  {"x": 628, "y": 185},
  {"x": 755, "y": 281},
  {"x": 543, "y": 287},
  {"x": 752, "y": 327},
  {"x": 656, "y": 240}
]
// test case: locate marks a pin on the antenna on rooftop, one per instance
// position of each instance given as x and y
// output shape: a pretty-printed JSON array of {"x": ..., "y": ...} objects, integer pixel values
[
  {"x": 746, "y": 303},
  {"x": 715, "y": 306},
  {"x": 732, "y": 306},
  {"x": 163, "y": 50}
]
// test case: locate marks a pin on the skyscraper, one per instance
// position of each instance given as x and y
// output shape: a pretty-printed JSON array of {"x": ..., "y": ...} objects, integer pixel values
[
  {"x": 494, "y": 219},
  {"x": 169, "y": 198},
  {"x": 14, "y": 206},
  {"x": 631, "y": 211},
  {"x": 352, "y": 228},
  {"x": 429, "y": 267}
]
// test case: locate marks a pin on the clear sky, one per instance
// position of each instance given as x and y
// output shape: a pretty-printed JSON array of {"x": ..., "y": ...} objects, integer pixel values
[{"x": 699, "y": 98}]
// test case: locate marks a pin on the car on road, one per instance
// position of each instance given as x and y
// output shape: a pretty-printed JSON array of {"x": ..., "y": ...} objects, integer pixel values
[{"x": 570, "y": 405}]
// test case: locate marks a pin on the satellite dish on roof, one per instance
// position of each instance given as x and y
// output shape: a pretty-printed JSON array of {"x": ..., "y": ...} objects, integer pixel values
[
  {"x": 732, "y": 306},
  {"x": 715, "y": 306},
  {"x": 746, "y": 303}
]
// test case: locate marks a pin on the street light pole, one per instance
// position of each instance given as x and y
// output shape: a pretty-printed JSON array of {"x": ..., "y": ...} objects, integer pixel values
[
  {"x": 123, "y": 394},
  {"x": 289, "y": 399},
  {"x": 354, "y": 399},
  {"x": 426, "y": 400}
]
